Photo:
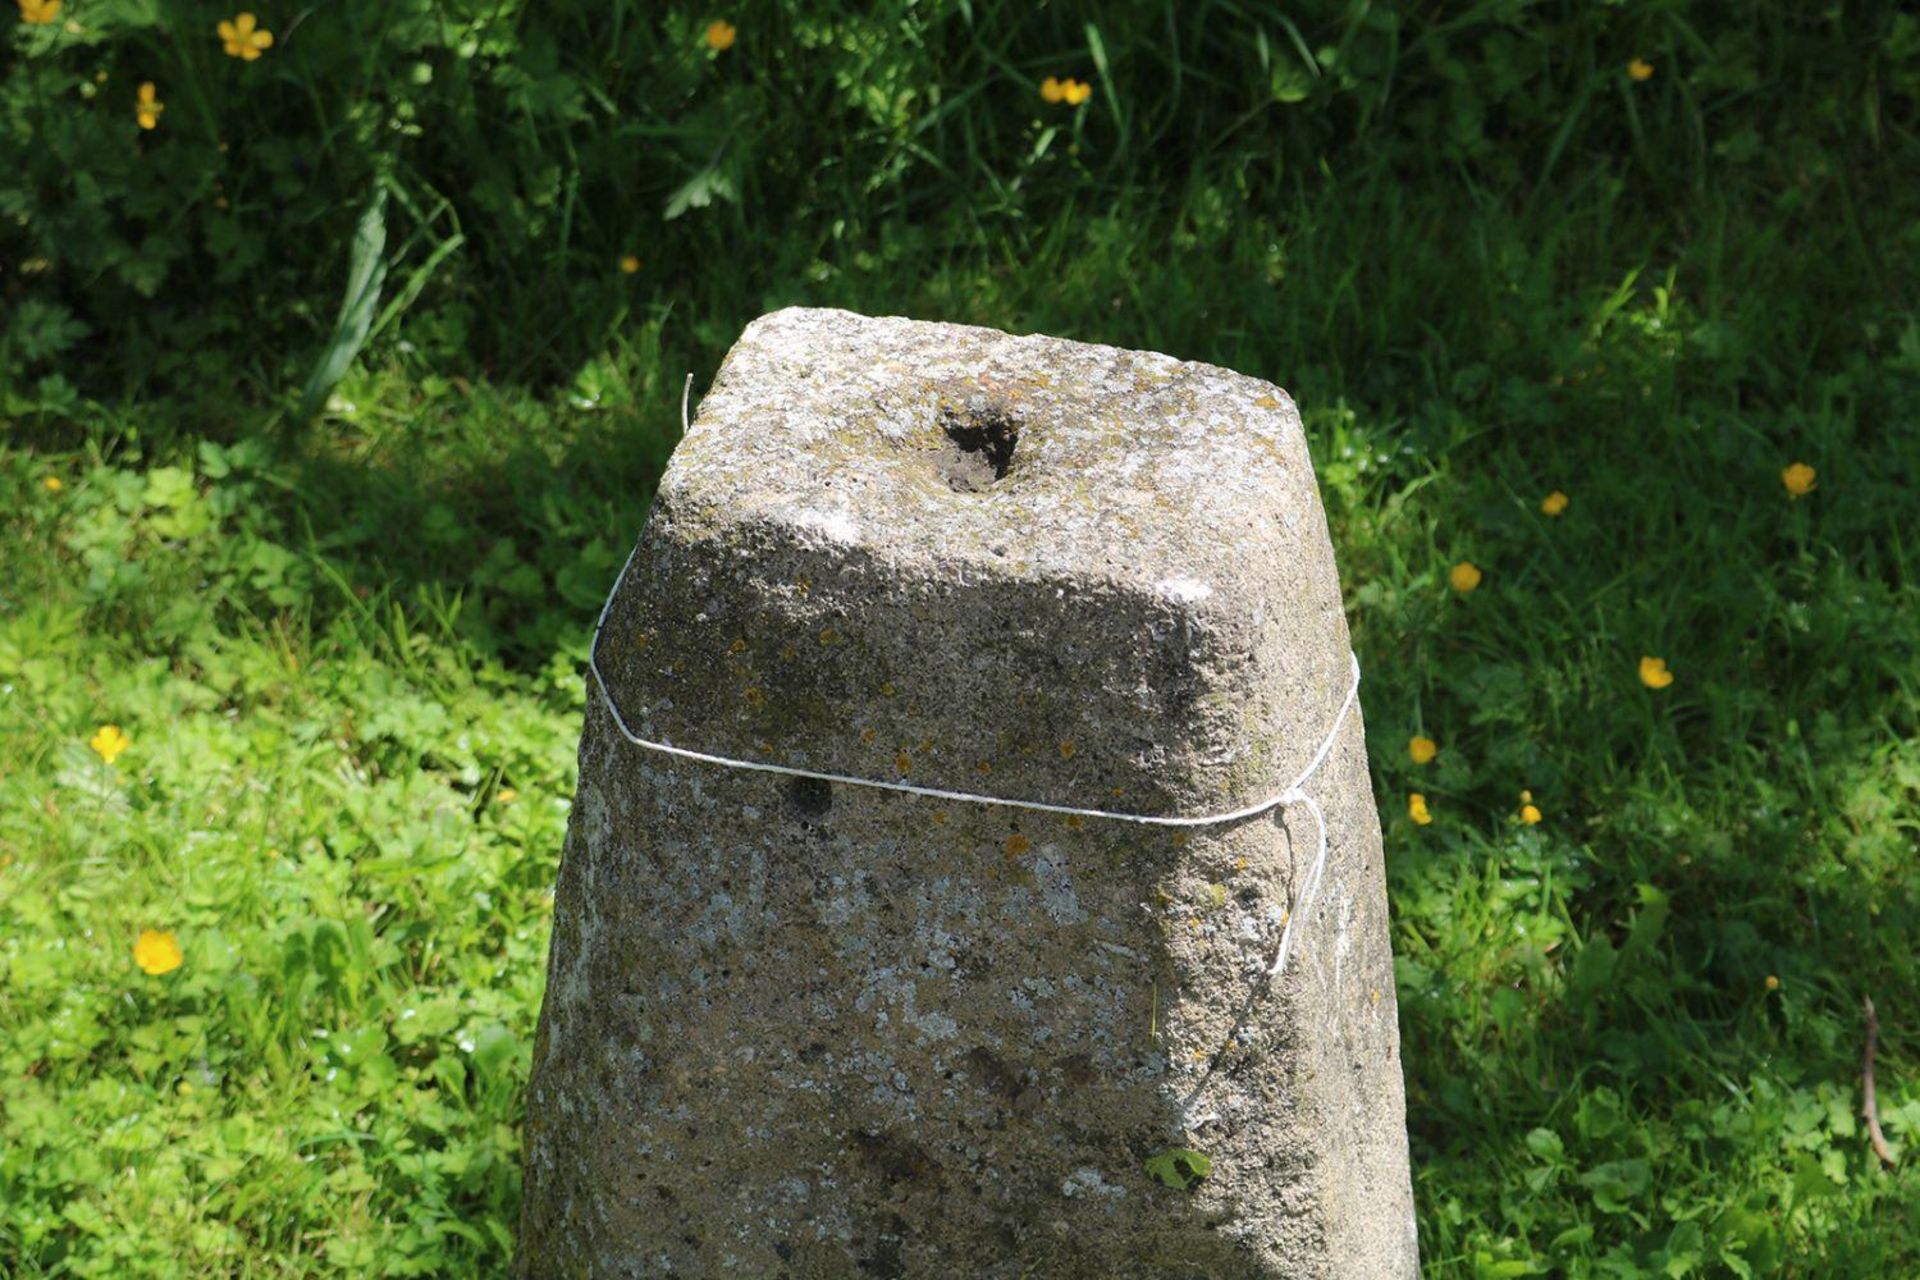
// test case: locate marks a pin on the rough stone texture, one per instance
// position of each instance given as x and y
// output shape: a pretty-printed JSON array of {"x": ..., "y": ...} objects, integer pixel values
[{"x": 810, "y": 1031}]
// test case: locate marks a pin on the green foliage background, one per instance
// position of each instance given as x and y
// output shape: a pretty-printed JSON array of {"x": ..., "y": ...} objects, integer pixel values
[{"x": 1486, "y": 259}]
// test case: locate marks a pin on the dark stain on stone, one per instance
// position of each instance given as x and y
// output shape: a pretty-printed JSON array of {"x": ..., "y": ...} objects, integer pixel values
[
  {"x": 895, "y": 1158},
  {"x": 884, "y": 1262},
  {"x": 1077, "y": 1068},
  {"x": 809, "y": 799},
  {"x": 986, "y": 1067}
]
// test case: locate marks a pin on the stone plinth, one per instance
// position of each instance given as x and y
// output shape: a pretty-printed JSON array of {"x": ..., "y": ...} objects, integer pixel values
[{"x": 803, "y": 1029}]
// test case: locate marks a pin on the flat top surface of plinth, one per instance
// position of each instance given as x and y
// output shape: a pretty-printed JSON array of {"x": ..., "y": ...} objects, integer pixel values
[
  {"x": 1029, "y": 455},
  {"x": 1019, "y": 565}
]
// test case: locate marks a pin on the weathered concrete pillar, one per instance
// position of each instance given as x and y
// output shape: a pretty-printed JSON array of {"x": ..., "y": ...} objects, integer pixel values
[{"x": 810, "y": 1029}]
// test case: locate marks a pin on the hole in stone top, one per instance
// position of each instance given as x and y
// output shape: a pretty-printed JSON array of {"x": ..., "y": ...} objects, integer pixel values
[
  {"x": 809, "y": 797},
  {"x": 981, "y": 449}
]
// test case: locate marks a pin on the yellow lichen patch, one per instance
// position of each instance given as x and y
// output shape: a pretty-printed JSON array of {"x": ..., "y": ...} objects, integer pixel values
[
  {"x": 829, "y": 636},
  {"x": 641, "y": 639},
  {"x": 866, "y": 735},
  {"x": 1239, "y": 864},
  {"x": 886, "y": 690},
  {"x": 1267, "y": 402},
  {"x": 1018, "y": 845},
  {"x": 1075, "y": 822},
  {"x": 803, "y": 586},
  {"x": 738, "y": 646},
  {"x": 984, "y": 767},
  {"x": 1066, "y": 751},
  {"x": 787, "y": 652},
  {"x": 754, "y": 695},
  {"x": 903, "y": 763},
  {"x": 1179, "y": 839},
  {"x": 940, "y": 816}
]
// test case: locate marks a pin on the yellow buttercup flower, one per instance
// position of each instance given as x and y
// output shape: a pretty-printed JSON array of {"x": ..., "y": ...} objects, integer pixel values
[
  {"x": 157, "y": 951},
  {"x": 720, "y": 35},
  {"x": 147, "y": 107},
  {"x": 1799, "y": 479},
  {"x": 244, "y": 37},
  {"x": 38, "y": 13},
  {"x": 630, "y": 264},
  {"x": 1528, "y": 813},
  {"x": 1417, "y": 809},
  {"x": 1554, "y": 503},
  {"x": 1422, "y": 749},
  {"x": 109, "y": 742},
  {"x": 1464, "y": 576},
  {"x": 1773, "y": 983},
  {"x": 1654, "y": 673},
  {"x": 1640, "y": 69},
  {"x": 1070, "y": 91},
  {"x": 52, "y": 484}
]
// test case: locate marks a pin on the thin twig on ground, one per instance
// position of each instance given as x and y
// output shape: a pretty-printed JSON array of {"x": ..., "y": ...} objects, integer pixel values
[{"x": 1869, "y": 1105}]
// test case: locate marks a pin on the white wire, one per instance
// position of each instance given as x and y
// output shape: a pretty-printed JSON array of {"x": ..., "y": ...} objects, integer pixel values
[{"x": 1291, "y": 795}]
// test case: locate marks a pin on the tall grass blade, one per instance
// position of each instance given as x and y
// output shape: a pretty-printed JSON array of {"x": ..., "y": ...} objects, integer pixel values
[{"x": 366, "y": 273}]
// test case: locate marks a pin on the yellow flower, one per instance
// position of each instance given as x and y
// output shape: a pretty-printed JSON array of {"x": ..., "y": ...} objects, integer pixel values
[
  {"x": 1773, "y": 983},
  {"x": 38, "y": 13},
  {"x": 109, "y": 742},
  {"x": 1464, "y": 576},
  {"x": 52, "y": 484},
  {"x": 1640, "y": 69},
  {"x": 1422, "y": 749},
  {"x": 630, "y": 264},
  {"x": 505, "y": 795},
  {"x": 148, "y": 108},
  {"x": 1654, "y": 673},
  {"x": 244, "y": 37},
  {"x": 1417, "y": 809},
  {"x": 1070, "y": 91},
  {"x": 1528, "y": 813},
  {"x": 1554, "y": 503},
  {"x": 157, "y": 951},
  {"x": 1799, "y": 479},
  {"x": 720, "y": 34}
]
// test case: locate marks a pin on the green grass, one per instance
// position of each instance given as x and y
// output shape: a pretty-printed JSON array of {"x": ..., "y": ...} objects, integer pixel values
[{"x": 348, "y": 656}]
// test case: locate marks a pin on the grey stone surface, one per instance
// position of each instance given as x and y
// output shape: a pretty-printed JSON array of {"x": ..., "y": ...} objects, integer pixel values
[{"x": 803, "y": 1030}]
